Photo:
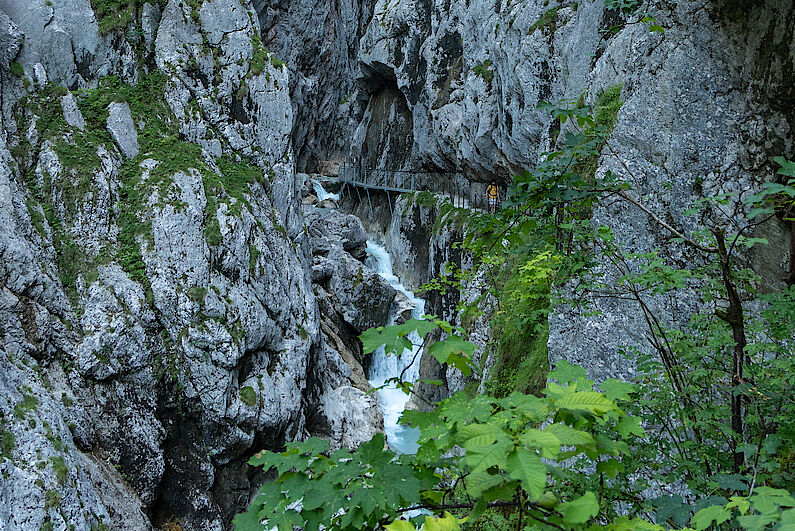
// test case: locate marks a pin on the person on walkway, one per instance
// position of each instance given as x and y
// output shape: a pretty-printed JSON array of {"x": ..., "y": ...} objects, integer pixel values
[{"x": 493, "y": 195}]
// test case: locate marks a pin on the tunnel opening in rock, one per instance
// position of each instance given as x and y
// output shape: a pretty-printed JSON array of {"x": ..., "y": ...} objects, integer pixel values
[{"x": 387, "y": 126}]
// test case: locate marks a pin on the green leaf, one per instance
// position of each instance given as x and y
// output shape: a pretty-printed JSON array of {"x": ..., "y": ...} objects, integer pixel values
[
  {"x": 394, "y": 338},
  {"x": 546, "y": 441},
  {"x": 525, "y": 466},
  {"x": 462, "y": 409},
  {"x": 536, "y": 409},
  {"x": 569, "y": 436},
  {"x": 787, "y": 520},
  {"x": 454, "y": 351},
  {"x": 313, "y": 445},
  {"x": 740, "y": 502},
  {"x": 731, "y": 482},
  {"x": 616, "y": 389},
  {"x": 756, "y": 522},
  {"x": 627, "y": 426},
  {"x": 787, "y": 167},
  {"x": 672, "y": 508},
  {"x": 565, "y": 372},
  {"x": 590, "y": 401},
  {"x": 580, "y": 510},
  {"x": 480, "y": 434},
  {"x": 704, "y": 518},
  {"x": 750, "y": 242},
  {"x": 609, "y": 468},
  {"x": 248, "y": 521},
  {"x": 401, "y": 525},
  {"x": 374, "y": 338},
  {"x": 447, "y": 523},
  {"x": 478, "y": 483},
  {"x": 481, "y": 458}
]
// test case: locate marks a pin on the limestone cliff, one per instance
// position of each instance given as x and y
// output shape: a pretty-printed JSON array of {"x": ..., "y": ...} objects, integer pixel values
[
  {"x": 159, "y": 321},
  {"x": 707, "y": 104},
  {"x": 168, "y": 307}
]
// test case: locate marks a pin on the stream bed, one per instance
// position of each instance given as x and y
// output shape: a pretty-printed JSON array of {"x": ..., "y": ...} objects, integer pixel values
[{"x": 393, "y": 401}]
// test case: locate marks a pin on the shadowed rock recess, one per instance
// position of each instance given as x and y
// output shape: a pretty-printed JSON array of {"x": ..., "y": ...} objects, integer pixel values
[{"x": 168, "y": 306}]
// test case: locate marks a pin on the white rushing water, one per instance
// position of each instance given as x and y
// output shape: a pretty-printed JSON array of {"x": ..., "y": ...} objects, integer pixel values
[
  {"x": 321, "y": 192},
  {"x": 400, "y": 438}
]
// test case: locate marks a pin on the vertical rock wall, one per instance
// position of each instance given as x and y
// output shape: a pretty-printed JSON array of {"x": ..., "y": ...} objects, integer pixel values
[
  {"x": 706, "y": 106},
  {"x": 159, "y": 322}
]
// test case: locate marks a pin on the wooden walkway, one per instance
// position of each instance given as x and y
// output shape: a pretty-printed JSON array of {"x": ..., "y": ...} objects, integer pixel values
[{"x": 462, "y": 192}]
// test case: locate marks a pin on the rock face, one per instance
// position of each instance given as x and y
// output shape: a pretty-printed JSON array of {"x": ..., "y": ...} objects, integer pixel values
[
  {"x": 167, "y": 304},
  {"x": 320, "y": 42},
  {"x": 706, "y": 105},
  {"x": 159, "y": 316}
]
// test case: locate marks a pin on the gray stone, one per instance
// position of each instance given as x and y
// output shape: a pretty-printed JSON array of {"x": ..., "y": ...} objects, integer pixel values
[
  {"x": 327, "y": 203},
  {"x": 402, "y": 308},
  {"x": 358, "y": 293},
  {"x": 71, "y": 112},
  {"x": 343, "y": 229},
  {"x": 150, "y": 18},
  {"x": 122, "y": 129},
  {"x": 41, "y": 75},
  {"x": 10, "y": 40}
]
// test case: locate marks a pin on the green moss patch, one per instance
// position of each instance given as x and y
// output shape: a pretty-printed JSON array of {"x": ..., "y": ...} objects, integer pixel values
[
  {"x": 16, "y": 69},
  {"x": 484, "y": 71},
  {"x": 248, "y": 395},
  {"x": 59, "y": 467},
  {"x": 197, "y": 294},
  {"x": 52, "y": 500},
  {"x": 118, "y": 15},
  {"x": 158, "y": 138},
  {"x": 27, "y": 404},
  {"x": 549, "y": 18},
  {"x": 520, "y": 326},
  {"x": 7, "y": 442},
  {"x": 608, "y": 103}
]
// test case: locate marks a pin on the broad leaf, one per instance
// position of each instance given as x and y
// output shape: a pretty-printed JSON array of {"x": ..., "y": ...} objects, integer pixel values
[
  {"x": 477, "y": 483},
  {"x": 481, "y": 458},
  {"x": 616, "y": 389},
  {"x": 527, "y": 467},
  {"x": 546, "y": 441},
  {"x": 704, "y": 518},
  {"x": 447, "y": 523},
  {"x": 454, "y": 351},
  {"x": 400, "y": 525},
  {"x": 569, "y": 436},
  {"x": 590, "y": 401},
  {"x": 580, "y": 510}
]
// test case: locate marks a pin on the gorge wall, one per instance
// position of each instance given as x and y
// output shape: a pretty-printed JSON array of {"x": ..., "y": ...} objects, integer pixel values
[
  {"x": 168, "y": 307},
  {"x": 165, "y": 312},
  {"x": 706, "y": 106}
]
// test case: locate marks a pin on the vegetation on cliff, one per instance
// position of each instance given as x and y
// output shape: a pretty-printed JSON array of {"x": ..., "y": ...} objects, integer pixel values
[{"x": 700, "y": 439}]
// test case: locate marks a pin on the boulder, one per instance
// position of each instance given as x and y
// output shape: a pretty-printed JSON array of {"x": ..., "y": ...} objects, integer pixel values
[
  {"x": 402, "y": 308},
  {"x": 359, "y": 294},
  {"x": 122, "y": 129},
  {"x": 340, "y": 228}
]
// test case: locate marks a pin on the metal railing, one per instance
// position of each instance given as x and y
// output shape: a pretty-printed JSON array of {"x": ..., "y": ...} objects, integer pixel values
[{"x": 460, "y": 191}]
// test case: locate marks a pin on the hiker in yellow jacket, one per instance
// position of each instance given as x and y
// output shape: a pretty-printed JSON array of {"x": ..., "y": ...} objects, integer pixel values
[{"x": 493, "y": 194}]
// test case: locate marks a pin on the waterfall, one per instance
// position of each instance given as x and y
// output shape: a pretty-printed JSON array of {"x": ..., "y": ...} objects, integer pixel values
[
  {"x": 321, "y": 192},
  {"x": 400, "y": 438}
]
